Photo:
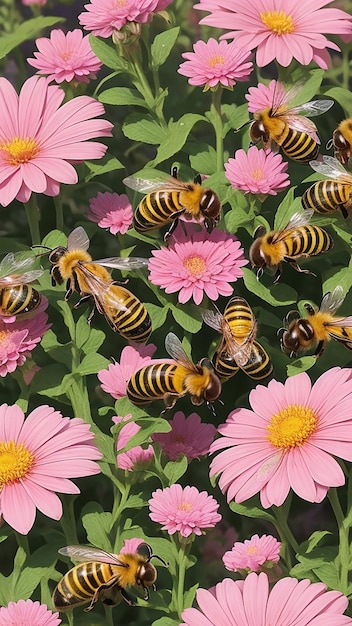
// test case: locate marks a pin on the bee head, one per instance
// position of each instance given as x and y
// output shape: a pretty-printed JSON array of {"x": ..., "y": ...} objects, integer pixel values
[
  {"x": 258, "y": 133},
  {"x": 56, "y": 254}
]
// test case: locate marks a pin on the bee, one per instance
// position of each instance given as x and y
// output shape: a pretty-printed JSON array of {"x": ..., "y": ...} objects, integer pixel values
[
  {"x": 342, "y": 141},
  {"x": 166, "y": 200},
  {"x": 104, "y": 576},
  {"x": 169, "y": 380},
  {"x": 330, "y": 194},
  {"x": 289, "y": 127},
  {"x": 297, "y": 239},
  {"x": 123, "y": 311},
  {"x": 17, "y": 296},
  {"x": 318, "y": 327},
  {"x": 238, "y": 348}
]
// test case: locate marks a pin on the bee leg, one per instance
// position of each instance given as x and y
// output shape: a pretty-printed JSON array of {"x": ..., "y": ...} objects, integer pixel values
[
  {"x": 277, "y": 275},
  {"x": 198, "y": 179},
  {"x": 344, "y": 210},
  {"x": 85, "y": 298},
  {"x": 127, "y": 598},
  {"x": 320, "y": 349},
  {"x": 299, "y": 269},
  {"x": 169, "y": 402}
]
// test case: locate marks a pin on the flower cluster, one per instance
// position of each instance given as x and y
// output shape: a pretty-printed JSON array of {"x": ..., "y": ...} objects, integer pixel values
[{"x": 112, "y": 211}]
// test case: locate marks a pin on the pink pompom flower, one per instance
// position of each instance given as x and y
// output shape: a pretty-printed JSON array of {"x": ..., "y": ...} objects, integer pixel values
[
  {"x": 197, "y": 263},
  {"x": 252, "y": 554},
  {"x": 65, "y": 57},
  {"x": 136, "y": 455},
  {"x": 288, "y": 440},
  {"x": 104, "y": 17},
  {"x": 131, "y": 545},
  {"x": 265, "y": 96},
  {"x": 114, "y": 379},
  {"x": 184, "y": 510},
  {"x": 213, "y": 63},
  {"x": 251, "y": 602},
  {"x": 28, "y": 612},
  {"x": 188, "y": 436},
  {"x": 39, "y": 139},
  {"x": 280, "y": 31},
  {"x": 38, "y": 456},
  {"x": 257, "y": 171},
  {"x": 112, "y": 211}
]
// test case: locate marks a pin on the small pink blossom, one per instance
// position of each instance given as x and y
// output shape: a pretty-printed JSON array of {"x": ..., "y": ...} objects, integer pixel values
[
  {"x": 188, "y": 436},
  {"x": 265, "y": 96},
  {"x": 184, "y": 510},
  {"x": 136, "y": 455},
  {"x": 130, "y": 546},
  {"x": 104, "y": 17},
  {"x": 65, "y": 57},
  {"x": 29, "y": 3},
  {"x": 214, "y": 62},
  {"x": 252, "y": 554},
  {"x": 114, "y": 379},
  {"x": 28, "y": 612},
  {"x": 197, "y": 263},
  {"x": 112, "y": 211},
  {"x": 257, "y": 171}
]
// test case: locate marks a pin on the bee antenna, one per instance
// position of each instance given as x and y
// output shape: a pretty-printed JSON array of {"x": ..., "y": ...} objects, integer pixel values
[
  {"x": 329, "y": 144},
  {"x": 280, "y": 331},
  {"x": 236, "y": 130},
  {"x": 259, "y": 273},
  {"x": 46, "y": 248},
  {"x": 156, "y": 556}
]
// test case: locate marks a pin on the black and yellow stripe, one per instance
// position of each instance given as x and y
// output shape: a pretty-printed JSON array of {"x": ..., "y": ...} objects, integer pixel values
[
  {"x": 258, "y": 366},
  {"x": 153, "y": 382},
  {"x": 326, "y": 196},
  {"x": 297, "y": 145},
  {"x": 156, "y": 209},
  {"x": 80, "y": 584},
  {"x": 239, "y": 317},
  {"x": 132, "y": 321},
  {"x": 307, "y": 240},
  {"x": 19, "y": 299}
]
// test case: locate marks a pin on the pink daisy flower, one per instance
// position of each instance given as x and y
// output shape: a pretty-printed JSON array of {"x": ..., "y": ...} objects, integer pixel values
[
  {"x": 251, "y": 602},
  {"x": 184, "y": 510},
  {"x": 214, "y": 62},
  {"x": 28, "y": 612},
  {"x": 39, "y": 140},
  {"x": 112, "y": 211},
  {"x": 252, "y": 554},
  {"x": 136, "y": 455},
  {"x": 130, "y": 545},
  {"x": 188, "y": 436},
  {"x": 65, "y": 57},
  {"x": 265, "y": 96},
  {"x": 197, "y": 263},
  {"x": 38, "y": 456},
  {"x": 104, "y": 17},
  {"x": 19, "y": 338},
  {"x": 257, "y": 171},
  {"x": 288, "y": 440},
  {"x": 280, "y": 31},
  {"x": 115, "y": 378}
]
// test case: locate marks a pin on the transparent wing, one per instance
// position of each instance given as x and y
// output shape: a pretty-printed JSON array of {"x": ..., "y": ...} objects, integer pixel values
[
  {"x": 332, "y": 300},
  {"x": 296, "y": 221},
  {"x": 15, "y": 270},
  {"x": 310, "y": 109},
  {"x": 332, "y": 168},
  {"x": 341, "y": 321},
  {"x": 174, "y": 347},
  {"x": 148, "y": 186},
  {"x": 126, "y": 263},
  {"x": 78, "y": 239},
  {"x": 85, "y": 553},
  {"x": 103, "y": 291},
  {"x": 214, "y": 319}
]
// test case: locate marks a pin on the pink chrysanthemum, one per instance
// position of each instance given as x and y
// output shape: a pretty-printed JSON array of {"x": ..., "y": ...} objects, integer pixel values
[
  {"x": 257, "y": 171},
  {"x": 280, "y": 31},
  {"x": 287, "y": 440},
  {"x": 104, "y": 17},
  {"x": 197, "y": 263},
  {"x": 136, "y": 455},
  {"x": 184, "y": 510},
  {"x": 28, "y": 3},
  {"x": 188, "y": 436},
  {"x": 114, "y": 379},
  {"x": 19, "y": 337},
  {"x": 28, "y": 612},
  {"x": 130, "y": 545},
  {"x": 265, "y": 96},
  {"x": 39, "y": 140},
  {"x": 112, "y": 211},
  {"x": 252, "y": 553},
  {"x": 65, "y": 57},
  {"x": 214, "y": 62},
  {"x": 251, "y": 602},
  {"x": 38, "y": 456}
]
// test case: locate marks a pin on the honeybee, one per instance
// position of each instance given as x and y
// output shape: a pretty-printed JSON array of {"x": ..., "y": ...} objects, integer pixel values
[
  {"x": 17, "y": 296},
  {"x": 104, "y": 576},
  {"x": 342, "y": 141},
  {"x": 171, "y": 380},
  {"x": 238, "y": 348},
  {"x": 288, "y": 126},
  {"x": 297, "y": 239},
  {"x": 166, "y": 200},
  {"x": 318, "y": 327},
  {"x": 331, "y": 194},
  {"x": 123, "y": 311}
]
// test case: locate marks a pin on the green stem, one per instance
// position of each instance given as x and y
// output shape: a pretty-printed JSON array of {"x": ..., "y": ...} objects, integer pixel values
[
  {"x": 120, "y": 503},
  {"x": 108, "y": 616},
  {"x": 285, "y": 533},
  {"x": 68, "y": 520},
  {"x": 59, "y": 213},
  {"x": 33, "y": 216},
  {"x": 344, "y": 544},
  {"x": 182, "y": 562},
  {"x": 215, "y": 110},
  {"x": 22, "y": 542}
]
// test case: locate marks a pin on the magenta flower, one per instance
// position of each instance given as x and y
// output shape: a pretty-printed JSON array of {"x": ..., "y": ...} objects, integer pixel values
[
  {"x": 197, "y": 263},
  {"x": 112, "y": 211},
  {"x": 265, "y": 96},
  {"x": 38, "y": 456},
  {"x": 115, "y": 378},
  {"x": 257, "y": 171},
  {"x": 39, "y": 140},
  {"x": 288, "y": 440},
  {"x": 19, "y": 338},
  {"x": 104, "y": 17},
  {"x": 65, "y": 57},
  {"x": 184, "y": 510},
  {"x": 136, "y": 455},
  {"x": 214, "y": 62},
  {"x": 252, "y": 554},
  {"x": 28, "y": 3},
  {"x": 280, "y": 31},
  {"x": 188, "y": 436},
  {"x": 28, "y": 612},
  {"x": 251, "y": 602}
]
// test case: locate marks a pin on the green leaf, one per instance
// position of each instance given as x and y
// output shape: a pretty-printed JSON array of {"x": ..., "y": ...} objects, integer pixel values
[
  {"x": 108, "y": 55},
  {"x": 107, "y": 164},
  {"x": 55, "y": 238},
  {"x": 175, "y": 469},
  {"x": 162, "y": 46},
  {"x": 287, "y": 208},
  {"x": 143, "y": 128},
  {"x": 309, "y": 82},
  {"x": 120, "y": 96},
  {"x": 186, "y": 320},
  {"x": 98, "y": 526},
  {"x": 92, "y": 364},
  {"x": 343, "y": 97},
  {"x": 343, "y": 277},
  {"x": 302, "y": 364},
  {"x": 166, "y": 621},
  {"x": 250, "y": 510},
  {"x": 94, "y": 341},
  {"x": 158, "y": 314},
  {"x": 62, "y": 353},
  {"x": 278, "y": 294},
  {"x": 175, "y": 137},
  {"x": 30, "y": 29},
  {"x": 234, "y": 116},
  {"x": 53, "y": 380}
]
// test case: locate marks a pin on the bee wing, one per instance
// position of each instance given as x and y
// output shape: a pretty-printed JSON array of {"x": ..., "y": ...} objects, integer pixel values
[
  {"x": 332, "y": 168},
  {"x": 20, "y": 279},
  {"x": 126, "y": 263},
  {"x": 341, "y": 321},
  {"x": 148, "y": 186},
  {"x": 174, "y": 347},
  {"x": 85, "y": 553},
  {"x": 214, "y": 319},
  {"x": 101, "y": 290},
  {"x": 332, "y": 301},
  {"x": 310, "y": 109},
  {"x": 78, "y": 239},
  {"x": 296, "y": 221}
]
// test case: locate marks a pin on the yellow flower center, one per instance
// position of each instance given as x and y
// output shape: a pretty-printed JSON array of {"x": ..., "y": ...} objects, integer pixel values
[
  {"x": 20, "y": 150},
  {"x": 184, "y": 506},
  {"x": 121, "y": 3},
  {"x": 194, "y": 264},
  {"x": 292, "y": 426},
  {"x": 252, "y": 550},
  {"x": 15, "y": 462},
  {"x": 278, "y": 21},
  {"x": 257, "y": 174},
  {"x": 66, "y": 56},
  {"x": 215, "y": 60}
]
